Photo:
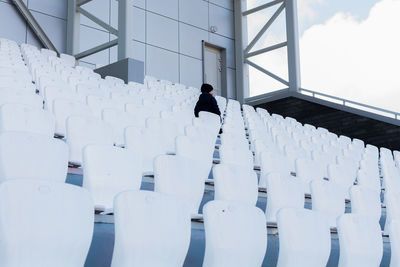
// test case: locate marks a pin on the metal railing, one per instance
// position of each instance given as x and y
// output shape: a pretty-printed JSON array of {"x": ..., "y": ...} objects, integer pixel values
[{"x": 351, "y": 104}]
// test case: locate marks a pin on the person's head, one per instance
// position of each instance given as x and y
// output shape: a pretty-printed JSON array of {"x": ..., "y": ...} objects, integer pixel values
[{"x": 207, "y": 88}]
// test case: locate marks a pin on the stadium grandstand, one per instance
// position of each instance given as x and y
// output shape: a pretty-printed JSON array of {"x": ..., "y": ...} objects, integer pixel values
[{"x": 103, "y": 162}]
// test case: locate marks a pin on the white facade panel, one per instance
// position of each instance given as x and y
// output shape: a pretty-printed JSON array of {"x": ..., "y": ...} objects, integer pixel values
[
  {"x": 223, "y": 20},
  {"x": 190, "y": 40},
  {"x": 162, "y": 32},
  {"x": 194, "y": 12},
  {"x": 99, "y": 8},
  {"x": 223, "y": 3},
  {"x": 191, "y": 73},
  {"x": 168, "y": 8},
  {"x": 162, "y": 64},
  {"x": 17, "y": 29},
  {"x": 56, "y": 29},
  {"x": 56, "y": 8}
]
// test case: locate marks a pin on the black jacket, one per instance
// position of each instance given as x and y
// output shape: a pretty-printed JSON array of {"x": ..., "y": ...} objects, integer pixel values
[{"x": 207, "y": 103}]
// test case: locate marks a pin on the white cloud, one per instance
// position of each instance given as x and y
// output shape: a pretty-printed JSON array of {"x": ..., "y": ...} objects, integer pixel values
[{"x": 357, "y": 60}]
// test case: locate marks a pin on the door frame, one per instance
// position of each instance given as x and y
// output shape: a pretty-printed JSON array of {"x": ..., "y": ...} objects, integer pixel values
[{"x": 224, "y": 86}]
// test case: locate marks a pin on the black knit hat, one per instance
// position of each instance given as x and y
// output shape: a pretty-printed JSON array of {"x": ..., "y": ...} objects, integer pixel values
[{"x": 206, "y": 88}]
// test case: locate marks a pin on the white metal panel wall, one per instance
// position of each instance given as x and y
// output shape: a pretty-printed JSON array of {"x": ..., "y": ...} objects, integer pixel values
[{"x": 167, "y": 33}]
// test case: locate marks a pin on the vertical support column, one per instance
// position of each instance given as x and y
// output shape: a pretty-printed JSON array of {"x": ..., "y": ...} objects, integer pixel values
[
  {"x": 292, "y": 35},
  {"x": 239, "y": 56},
  {"x": 73, "y": 24},
  {"x": 125, "y": 29}
]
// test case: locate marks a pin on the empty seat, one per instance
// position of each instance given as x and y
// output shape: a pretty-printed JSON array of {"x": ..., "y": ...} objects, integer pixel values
[
  {"x": 236, "y": 234},
  {"x": 168, "y": 129},
  {"x": 235, "y": 183},
  {"x": 13, "y": 96},
  {"x": 196, "y": 149},
  {"x": 68, "y": 60},
  {"x": 304, "y": 238},
  {"x": 309, "y": 170},
  {"x": 370, "y": 179},
  {"x": 236, "y": 156},
  {"x": 109, "y": 170},
  {"x": 272, "y": 162},
  {"x": 36, "y": 156},
  {"x": 283, "y": 192},
  {"x": 83, "y": 131},
  {"x": 394, "y": 235},
  {"x": 360, "y": 241},
  {"x": 341, "y": 175},
  {"x": 151, "y": 229},
  {"x": 329, "y": 199},
  {"x": 181, "y": 177},
  {"x": 146, "y": 142},
  {"x": 18, "y": 117},
  {"x": 44, "y": 224},
  {"x": 365, "y": 201}
]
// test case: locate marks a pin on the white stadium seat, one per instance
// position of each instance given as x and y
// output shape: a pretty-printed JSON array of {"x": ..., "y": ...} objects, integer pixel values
[
  {"x": 151, "y": 229},
  {"x": 360, "y": 241},
  {"x": 109, "y": 170},
  {"x": 18, "y": 117},
  {"x": 304, "y": 238},
  {"x": 35, "y": 156},
  {"x": 235, "y": 183},
  {"x": 394, "y": 235},
  {"x": 181, "y": 177},
  {"x": 283, "y": 192},
  {"x": 329, "y": 199},
  {"x": 236, "y": 234},
  {"x": 83, "y": 131},
  {"x": 53, "y": 225},
  {"x": 365, "y": 201}
]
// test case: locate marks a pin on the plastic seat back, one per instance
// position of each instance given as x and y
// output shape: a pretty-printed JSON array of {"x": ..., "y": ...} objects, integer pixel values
[
  {"x": 42, "y": 157},
  {"x": 341, "y": 175},
  {"x": 365, "y": 201},
  {"x": 83, "y": 131},
  {"x": 236, "y": 234},
  {"x": 235, "y": 183},
  {"x": 63, "y": 108},
  {"x": 360, "y": 241},
  {"x": 23, "y": 118},
  {"x": 59, "y": 235},
  {"x": 151, "y": 229},
  {"x": 394, "y": 236},
  {"x": 109, "y": 170},
  {"x": 304, "y": 238},
  {"x": 148, "y": 143},
  {"x": 283, "y": 192},
  {"x": 271, "y": 162},
  {"x": 236, "y": 156},
  {"x": 309, "y": 170},
  {"x": 181, "y": 177},
  {"x": 328, "y": 198}
]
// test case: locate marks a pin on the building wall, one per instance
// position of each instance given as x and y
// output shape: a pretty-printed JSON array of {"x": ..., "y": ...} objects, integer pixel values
[{"x": 167, "y": 33}]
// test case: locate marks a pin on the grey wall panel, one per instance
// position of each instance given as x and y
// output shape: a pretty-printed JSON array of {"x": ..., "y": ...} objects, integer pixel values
[
  {"x": 162, "y": 63},
  {"x": 32, "y": 39},
  {"x": 57, "y": 8},
  {"x": 222, "y": 18},
  {"x": 162, "y": 31},
  {"x": 191, "y": 73},
  {"x": 227, "y": 43},
  {"x": 223, "y": 3},
  {"x": 231, "y": 82},
  {"x": 168, "y": 8},
  {"x": 12, "y": 25},
  {"x": 55, "y": 28},
  {"x": 99, "y": 8},
  {"x": 138, "y": 52},
  {"x": 138, "y": 3},
  {"x": 90, "y": 38},
  {"x": 190, "y": 40},
  {"x": 194, "y": 12},
  {"x": 139, "y": 21}
]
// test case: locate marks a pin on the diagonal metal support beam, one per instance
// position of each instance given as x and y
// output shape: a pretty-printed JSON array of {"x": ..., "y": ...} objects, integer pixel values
[
  {"x": 265, "y": 50},
  {"x": 34, "y": 25},
  {"x": 265, "y": 28},
  {"x": 97, "y": 20},
  {"x": 270, "y": 74},
  {"x": 264, "y": 6},
  {"x": 82, "y": 2},
  {"x": 96, "y": 49}
]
